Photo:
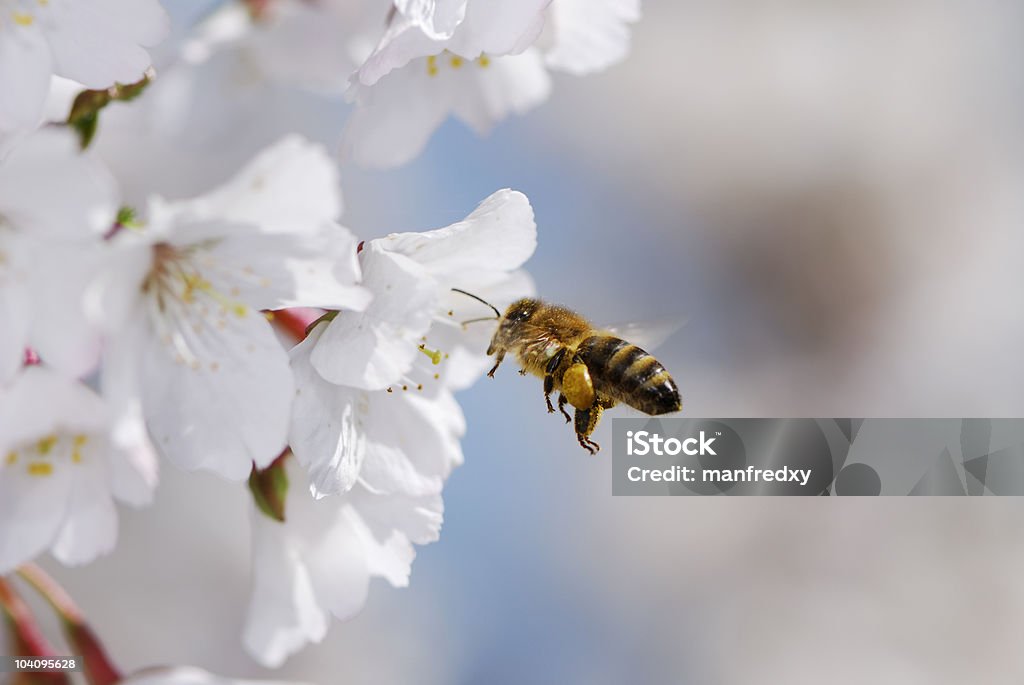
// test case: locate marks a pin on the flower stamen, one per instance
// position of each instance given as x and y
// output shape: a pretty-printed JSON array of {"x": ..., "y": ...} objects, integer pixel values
[{"x": 433, "y": 355}]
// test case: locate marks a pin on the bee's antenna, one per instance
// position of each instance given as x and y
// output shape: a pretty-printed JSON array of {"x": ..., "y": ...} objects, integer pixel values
[
  {"x": 497, "y": 314},
  {"x": 485, "y": 318}
]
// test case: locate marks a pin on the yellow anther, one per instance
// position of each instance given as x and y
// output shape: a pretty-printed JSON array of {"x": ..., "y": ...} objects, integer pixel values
[
  {"x": 22, "y": 19},
  {"x": 39, "y": 468},
  {"x": 12, "y": 457},
  {"x": 432, "y": 65},
  {"x": 484, "y": 61},
  {"x": 456, "y": 61},
  {"x": 43, "y": 3},
  {"x": 77, "y": 443},
  {"x": 269, "y": 316},
  {"x": 46, "y": 444},
  {"x": 240, "y": 310},
  {"x": 434, "y": 355}
]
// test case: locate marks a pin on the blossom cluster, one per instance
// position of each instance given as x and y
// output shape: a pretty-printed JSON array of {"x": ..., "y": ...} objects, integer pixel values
[{"x": 226, "y": 320}]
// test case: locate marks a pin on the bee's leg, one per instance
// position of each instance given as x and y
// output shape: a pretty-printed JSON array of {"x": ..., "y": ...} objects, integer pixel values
[
  {"x": 522, "y": 372},
  {"x": 586, "y": 422},
  {"x": 497, "y": 362},
  {"x": 549, "y": 377},
  {"x": 562, "y": 401}
]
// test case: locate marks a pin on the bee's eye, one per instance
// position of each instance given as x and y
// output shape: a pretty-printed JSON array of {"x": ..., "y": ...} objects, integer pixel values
[{"x": 521, "y": 315}]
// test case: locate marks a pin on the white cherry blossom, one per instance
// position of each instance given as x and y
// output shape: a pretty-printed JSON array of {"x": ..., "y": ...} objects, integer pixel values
[
  {"x": 62, "y": 467},
  {"x": 411, "y": 276},
  {"x": 55, "y": 206},
  {"x": 493, "y": 28},
  {"x": 193, "y": 349},
  {"x": 476, "y": 61},
  {"x": 373, "y": 451},
  {"x": 479, "y": 68},
  {"x": 373, "y": 387},
  {"x": 97, "y": 43},
  {"x": 319, "y": 561}
]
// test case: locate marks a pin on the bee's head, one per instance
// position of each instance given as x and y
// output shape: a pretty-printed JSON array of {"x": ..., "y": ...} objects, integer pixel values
[{"x": 512, "y": 322}]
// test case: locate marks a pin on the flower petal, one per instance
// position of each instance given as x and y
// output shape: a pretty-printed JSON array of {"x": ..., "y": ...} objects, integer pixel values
[
  {"x": 590, "y": 35},
  {"x": 513, "y": 84},
  {"x": 373, "y": 348},
  {"x": 32, "y": 510},
  {"x": 325, "y": 435},
  {"x": 391, "y": 524},
  {"x": 206, "y": 407},
  {"x": 25, "y": 69},
  {"x": 48, "y": 165},
  {"x": 438, "y": 19},
  {"x": 15, "y": 304},
  {"x": 273, "y": 271},
  {"x": 98, "y": 43},
  {"x": 284, "y": 614},
  {"x": 412, "y": 442},
  {"x": 90, "y": 525},
  {"x": 395, "y": 118},
  {"x": 290, "y": 187},
  {"x": 499, "y": 236}
]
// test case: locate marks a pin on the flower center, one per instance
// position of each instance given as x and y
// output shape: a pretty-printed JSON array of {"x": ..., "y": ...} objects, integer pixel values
[
  {"x": 41, "y": 457},
  {"x": 183, "y": 303},
  {"x": 174, "y": 276}
]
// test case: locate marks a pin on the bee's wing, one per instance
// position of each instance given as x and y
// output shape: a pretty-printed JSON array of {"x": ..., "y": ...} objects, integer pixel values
[{"x": 647, "y": 334}]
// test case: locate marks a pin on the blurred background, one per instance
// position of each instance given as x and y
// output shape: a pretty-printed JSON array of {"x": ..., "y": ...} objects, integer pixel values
[{"x": 831, "y": 193}]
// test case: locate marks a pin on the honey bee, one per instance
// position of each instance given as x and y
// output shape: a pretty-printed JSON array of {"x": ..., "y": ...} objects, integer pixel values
[{"x": 591, "y": 369}]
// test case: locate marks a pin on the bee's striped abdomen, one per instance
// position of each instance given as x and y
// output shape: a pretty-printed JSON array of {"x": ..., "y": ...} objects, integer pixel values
[{"x": 630, "y": 375}]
